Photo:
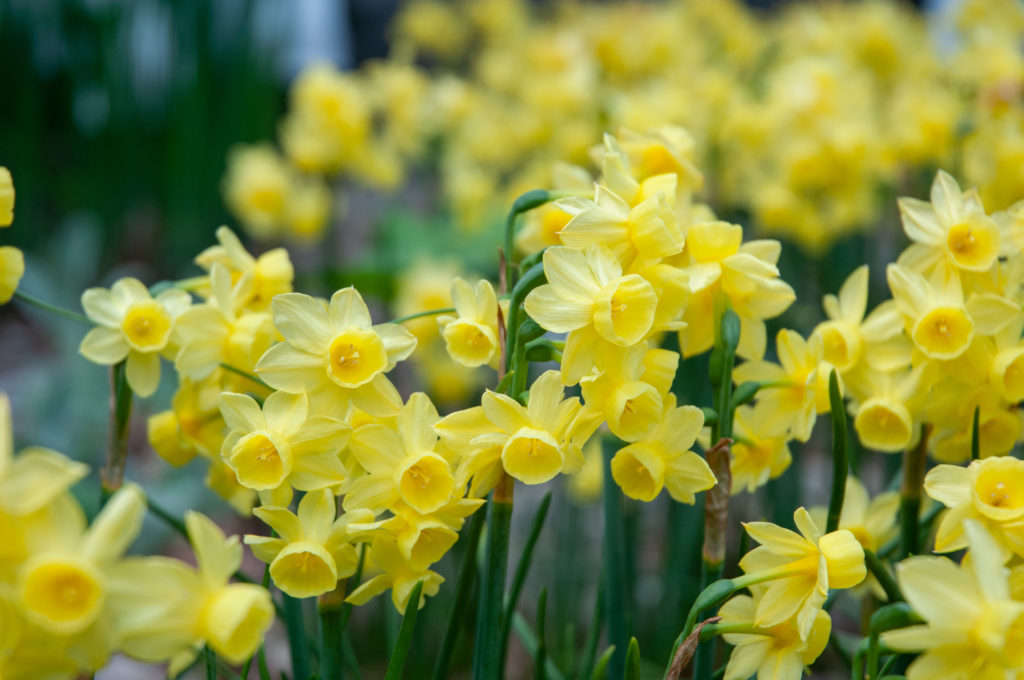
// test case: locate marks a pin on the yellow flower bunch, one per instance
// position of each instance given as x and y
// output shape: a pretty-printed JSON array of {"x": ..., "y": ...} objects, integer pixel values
[
  {"x": 798, "y": 119},
  {"x": 70, "y": 597}
]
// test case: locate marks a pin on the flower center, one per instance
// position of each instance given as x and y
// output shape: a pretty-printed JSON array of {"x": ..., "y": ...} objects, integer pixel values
[
  {"x": 973, "y": 244},
  {"x": 624, "y": 310},
  {"x": 427, "y": 483},
  {"x": 355, "y": 357},
  {"x": 261, "y": 460},
  {"x": 61, "y": 595},
  {"x": 532, "y": 456},
  {"x": 943, "y": 333},
  {"x": 147, "y": 326}
]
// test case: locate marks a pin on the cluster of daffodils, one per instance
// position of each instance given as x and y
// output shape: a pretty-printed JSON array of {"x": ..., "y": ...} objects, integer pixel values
[
  {"x": 807, "y": 118},
  {"x": 70, "y": 597},
  {"x": 946, "y": 348}
]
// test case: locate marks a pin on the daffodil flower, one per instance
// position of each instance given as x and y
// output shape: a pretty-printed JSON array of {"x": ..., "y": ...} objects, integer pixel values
[
  {"x": 398, "y": 575},
  {"x": 953, "y": 230},
  {"x": 33, "y": 478},
  {"x": 335, "y": 355},
  {"x": 776, "y": 652},
  {"x": 264, "y": 277},
  {"x": 402, "y": 463},
  {"x": 989, "y": 491},
  {"x": 168, "y": 610},
  {"x": 662, "y": 458},
  {"x": 471, "y": 336},
  {"x": 132, "y": 326},
  {"x": 6, "y": 197},
  {"x": 972, "y": 626},
  {"x": 799, "y": 569},
  {"x": 629, "y": 388},
  {"x": 67, "y": 584},
  {"x": 282, "y": 443},
  {"x": 221, "y": 331},
  {"x": 313, "y": 549},
  {"x": 12, "y": 268}
]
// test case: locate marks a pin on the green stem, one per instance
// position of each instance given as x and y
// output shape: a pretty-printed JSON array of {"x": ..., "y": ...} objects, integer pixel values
[
  {"x": 910, "y": 491},
  {"x": 520, "y": 574},
  {"x": 881, "y": 573},
  {"x": 210, "y": 661},
  {"x": 840, "y": 463},
  {"x": 331, "y": 630},
  {"x": 420, "y": 315},
  {"x": 245, "y": 374},
  {"x": 617, "y": 619},
  {"x": 487, "y": 653},
  {"x": 52, "y": 309},
  {"x": 525, "y": 203},
  {"x": 463, "y": 588},
  {"x": 112, "y": 474},
  {"x": 716, "y": 500},
  {"x": 975, "y": 436},
  {"x": 168, "y": 519},
  {"x": 295, "y": 626},
  {"x": 412, "y": 608}
]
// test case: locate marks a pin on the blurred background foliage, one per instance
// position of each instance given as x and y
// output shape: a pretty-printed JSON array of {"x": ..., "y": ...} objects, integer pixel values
[{"x": 124, "y": 110}]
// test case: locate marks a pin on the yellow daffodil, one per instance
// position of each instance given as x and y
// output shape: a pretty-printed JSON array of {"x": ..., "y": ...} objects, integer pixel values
[
  {"x": 629, "y": 388},
  {"x": 282, "y": 443},
  {"x": 422, "y": 539},
  {"x": 167, "y": 610},
  {"x": 328, "y": 120},
  {"x": 12, "y": 268},
  {"x": 887, "y": 406},
  {"x": 335, "y": 354},
  {"x": 793, "y": 394},
  {"x": 938, "y": 321},
  {"x": 761, "y": 448},
  {"x": 402, "y": 463},
  {"x": 722, "y": 269},
  {"x": 471, "y": 336},
  {"x": 64, "y": 580},
  {"x": 256, "y": 188},
  {"x": 542, "y": 227},
  {"x": 132, "y": 326},
  {"x": 645, "y": 231},
  {"x": 662, "y": 458},
  {"x": 220, "y": 331},
  {"x": 872, "y": 521},
  {"x": 952, "y": 230},
  {"x": 666, "y": 149},
  {"x": 972, "y": 627},
  {"x": 35, "y": 476},
  {"x": 312, "y": 550},
  {"x": 398, "y": 575},
  {"x": 989, "y": 491},
  {"x": 269, "y": 274},
  {"x": 423, "y": 286},
  {"x": 799, "y": 569},
  {"x": 588, "y": 297},
  {"x": 532, "y": 443},
  {"x": 776, "y": 652},
  {"x": 6, "y": 197}
]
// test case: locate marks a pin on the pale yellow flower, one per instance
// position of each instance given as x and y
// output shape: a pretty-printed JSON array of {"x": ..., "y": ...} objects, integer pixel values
[{"x": 132, "y": 326}]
